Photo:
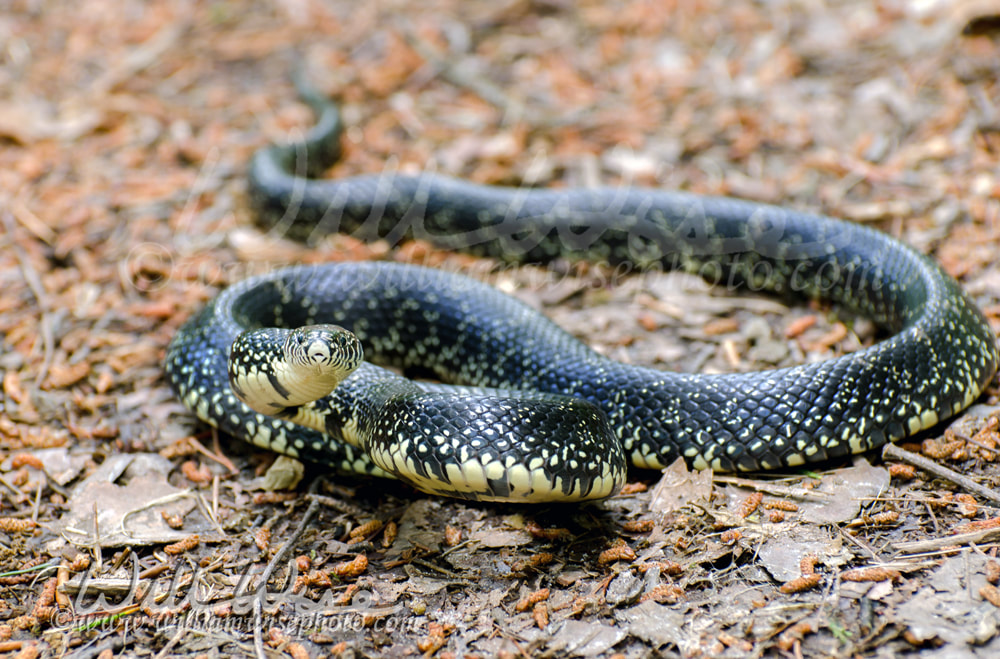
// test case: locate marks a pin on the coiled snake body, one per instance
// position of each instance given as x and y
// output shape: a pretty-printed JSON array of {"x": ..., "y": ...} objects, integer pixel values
[{"x": 541, "y": 416}]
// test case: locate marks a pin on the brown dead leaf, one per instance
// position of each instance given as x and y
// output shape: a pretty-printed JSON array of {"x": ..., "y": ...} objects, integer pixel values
[
  {"x": 128, "y": 514},
  {"x": 848, "y": 489},
  {"x": 679, "y": 487}
]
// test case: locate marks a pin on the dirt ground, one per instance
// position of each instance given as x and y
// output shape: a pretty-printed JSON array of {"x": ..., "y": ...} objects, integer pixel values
[{"x": 129, "y": 529}]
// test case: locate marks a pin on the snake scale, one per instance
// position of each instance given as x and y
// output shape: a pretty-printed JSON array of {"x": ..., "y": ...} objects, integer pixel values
[{"x": 536, "y": 415}]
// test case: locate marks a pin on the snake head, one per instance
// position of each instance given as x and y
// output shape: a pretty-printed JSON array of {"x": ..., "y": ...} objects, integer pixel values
[
  {"x": 272, "y": 369},
  {"x": 325, "y": 348}
]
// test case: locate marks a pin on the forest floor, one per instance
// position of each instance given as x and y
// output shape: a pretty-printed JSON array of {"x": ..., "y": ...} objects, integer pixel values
[{"x": 129, "y": 528}]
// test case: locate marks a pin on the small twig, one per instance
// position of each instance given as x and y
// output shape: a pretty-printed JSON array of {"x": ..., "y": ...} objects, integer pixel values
[
  {"x": 38, "y": 291},
  {"x": 934, "y": 519},
  {"x": 31, "y": 222},
  {"x": 776, "y": 490},
  {"x": 215, "y": 499},
  {"x": 947, "y": 551},
  {"x": 974, "y": 442},
  {"x": 208, "y": 511},
  {"x": 286, "y": 546},
  {"x": 168, "y": 498},
  {"x": 13, "y": 490},
  {"x": 139, "y": 58},
  {"x": 258, "y": 632},
  {"x": 476, "y": 84},
  {"x": 934, "y": 544},
  {"x": 512, "y": 110},
  {"x": 172, "y": 642},
  {"x": 430, "y": 566},
  {"x": 38, "y": 501},
  {"x": 336, "y": 504},
  {"x": 456, "y": 547},
  {"x": 217, "y": 455},
  {"x": 891, "y": 451},
  {"x": 97, "y": 538},
  {"x": 861, "y": 545}
]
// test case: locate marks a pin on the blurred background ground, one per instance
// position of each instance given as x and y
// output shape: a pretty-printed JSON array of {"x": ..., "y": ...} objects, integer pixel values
[{"x": 125, "y": 129}]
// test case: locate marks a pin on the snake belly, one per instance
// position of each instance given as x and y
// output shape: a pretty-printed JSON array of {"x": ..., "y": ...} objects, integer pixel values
[{"x": 939, "y": 358}]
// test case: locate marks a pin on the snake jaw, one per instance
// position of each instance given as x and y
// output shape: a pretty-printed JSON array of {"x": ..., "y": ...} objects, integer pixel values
[{"x": 317, "y": 358}]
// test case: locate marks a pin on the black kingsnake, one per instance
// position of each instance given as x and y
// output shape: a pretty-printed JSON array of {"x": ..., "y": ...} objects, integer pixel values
[{"x": 564, "y": 419}]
